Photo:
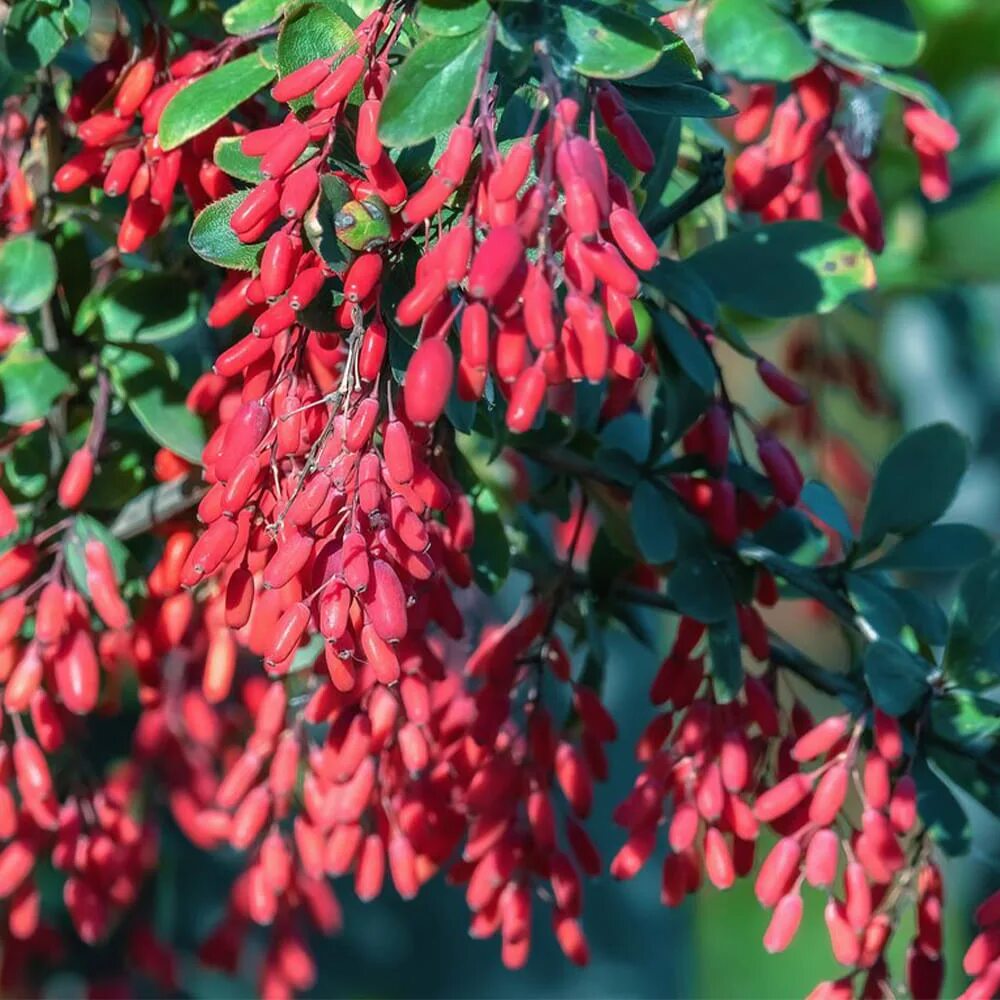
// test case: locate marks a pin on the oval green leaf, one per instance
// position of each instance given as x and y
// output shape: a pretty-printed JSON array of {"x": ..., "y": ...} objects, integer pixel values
[
  {"x": 786, "y": 269},
  {"x": 916, "y": 482},
  {"x": 27, "y": 274},
  {"x": 211, "y": 97},
  {"x": 212, "y": 237},
  {"x": 432, "y": 89},
  {"x": 249, "y": 15},
  {"x": 750, "y": 40},
  {"x": 876, "y": 31},
  {"x": 609, "y": 44},
  {"x": 653, "y": 523},
  {"x": 451, "y": 17}
]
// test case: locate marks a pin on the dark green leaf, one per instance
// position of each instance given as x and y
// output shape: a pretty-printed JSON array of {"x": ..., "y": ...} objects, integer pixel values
[
  {"x": 27, "y": 274},
  {"x": 249, "y": 15},
  {"x": 916, "y": 482},
  {"x": 688, "y": 349},
  {"x": 821, "y": 500},
  {"x": 700, "y": 590},
  {"x": 679, "y": 100},
  {"x": 877, "y": 31},
  {"x": 967, "y": 719},
  {"x": 451, "y": 17},
  {"x": 28, "y": 466},
  {"x": 432, "y": 88},
  {"x": 212, "y": 237},
  {"x": 725, "y": 659},
  {"x": 156, "y": 399},
  {"x": 748, "y": 39},
  {"x": 873, "y": 598},
  {"x": 922, "y": 614},
  {"x": 679, "y": 284},
  {"x": 609, "y": 43},
  {"x": 895, "y": 677},
  {"x": 490, "y": 553},
  {"x": 786, "y": 269},
  {"x": 147, "y": 307},
  {"x": 653, "y": 523},
  {"x": 978, "y": 778},
  {"x": 973, "y": 651},
  {"x": 232, "y": 160},
  {"x": 937, "y": 549},
  {"x": 940, "y": 809},
  {"x": 30, "y": 384},
  {"x": 211, "y": 97}
]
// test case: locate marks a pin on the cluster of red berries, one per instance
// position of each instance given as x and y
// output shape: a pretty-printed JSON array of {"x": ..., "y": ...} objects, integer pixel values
[
  {"x": 116, "y": 110},
  {"x": 810, "y": 133}
]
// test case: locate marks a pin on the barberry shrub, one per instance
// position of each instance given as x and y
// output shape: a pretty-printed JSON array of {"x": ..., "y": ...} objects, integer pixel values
[{"x": 327, "y": 320}]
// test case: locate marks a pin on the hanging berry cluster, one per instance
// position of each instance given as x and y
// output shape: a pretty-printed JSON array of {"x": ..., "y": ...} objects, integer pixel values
[{"x": 445, "y": 322}]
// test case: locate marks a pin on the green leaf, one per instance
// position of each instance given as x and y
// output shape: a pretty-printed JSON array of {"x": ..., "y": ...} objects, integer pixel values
[
  {"x": 313, "y": 31},
  {"x": 968, "y": 719},
  {"x": 700, "y": 590},
  {"x": 978, "y": 778},
  {"x": 451, "y": 17},
  {"x": 973, "y": 651},
  {"x": 916, "y": 482},
  {"x": 156, "y": 399},
  {"x": 679, "y": 100},
  {"x": 895, "y": 677},
  {"x": 725, "y": 660},
  {"x": 679, "y": 284},
  {"x": 786, "y": 269},
  {"x": 607, "y": 42},
  {"x": 653, "y": 523},
  {"x": 490, "y": 553},
  {"x": 249, "y": 15},
  {"x": 320, "y": 223},
  {"x": 27, "y": 274},
  {"x": 688, "y": 350},
  {"x": 29, "y": 465},
  {"x": 147, "y": 308},
  {"x": 873, "y": 598},
  {"x": 211, "y": 97},
  {"x": 432, "y": 88},
  {"x": 30, "y": 383},
  {"x": 940, "y": 809},
  {"x": 877, "y": 31},
  {"x": 35, "y": 33},
  {"x": 822, "y": 501},
  {"x": 922, "y": 614},
  {"x": 748, "y": 39},
  {"x": 940, "y": 548},
  {"x": 212, "y": 237}
]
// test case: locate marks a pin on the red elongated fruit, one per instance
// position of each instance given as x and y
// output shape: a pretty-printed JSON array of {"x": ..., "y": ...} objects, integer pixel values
[
  {"x": 787, "y": 390},
  {"x": 135, "y": 87},
  {"x": 495, "y": 262},
  {"x": 633, "y": 240},
  {"x": 299, "y": 190},
  {"x": 610, "y": 267},
  {"x": 277, "y": 265},
  {"x": 783, "y": 797},
  {"x": 220, "y": 665},
  {"x": 425, "y": 202},
  {"x": 779, "y": 868},
  {"x": 282, "y": 155},
  {"x": 258, "y": 207},
  {"x": 428, "y": 382},
  {"x": 821, "y": 738},
  {"x": 784, "y": 923},
  {"x": 843, "y": 938},
  {"x": 78, "y": 170},
  {"x": 513, "y": 172},
  {"x": 385, "y": 602},
  {"x": 292, "y": 554},
  {"x": 102, "y": 582},
  {"x": 77, "y": 674},
  {"x": 301, "y": 81},
  {"x": 243, "y": 435},
  {"x": 362, "y": 276},
  {"x": 475, "y": 336},
  {"x": 367, "y": 147},
  {"x": 831, "y": 790},
  {"x": 289, "y": 630},
  {"x": 398, "y": 451},
  {"x": 821, "y": 859},
  {"x": 338, "y": 85},
  {"x": 454, "y": 163},
  {"x": 718, "y": 860},
  {"x": 122, "y": 171},
  {"x": 372, "y": 353}
]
